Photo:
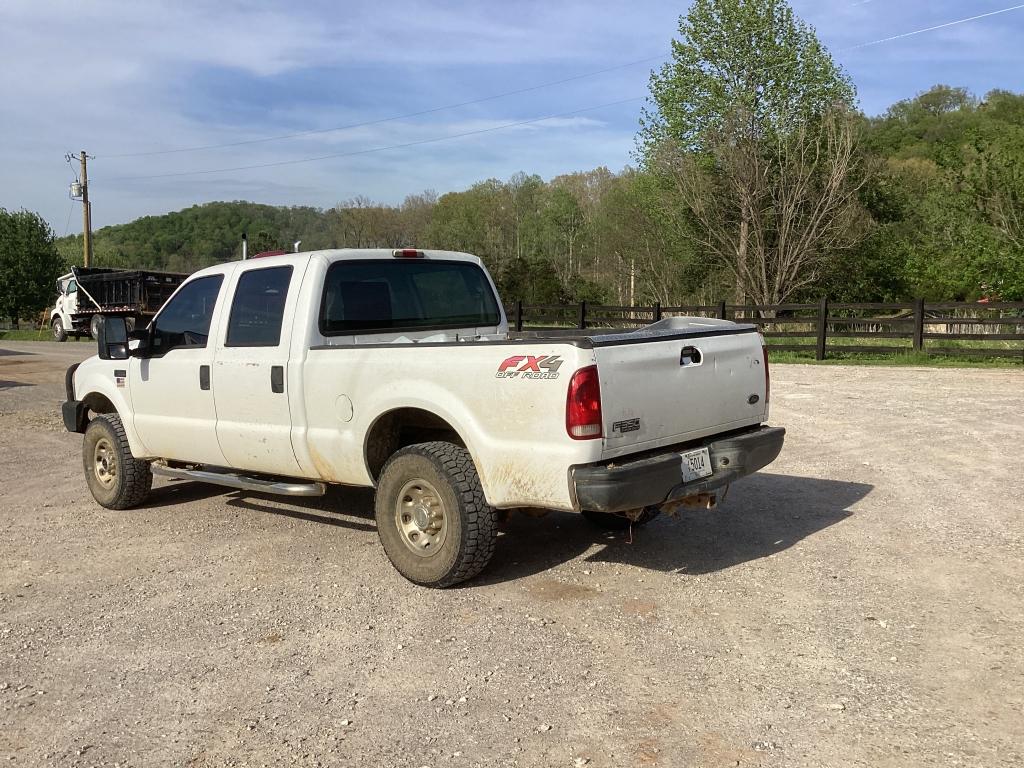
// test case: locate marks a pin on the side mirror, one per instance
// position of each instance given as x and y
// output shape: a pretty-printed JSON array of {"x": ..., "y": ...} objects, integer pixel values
[
  {"x": 143, "y": 336},
  {"x": 112, "y": 339}
]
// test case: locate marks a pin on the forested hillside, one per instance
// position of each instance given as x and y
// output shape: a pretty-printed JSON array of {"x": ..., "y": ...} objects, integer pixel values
[{"x": 940, "y": 214}]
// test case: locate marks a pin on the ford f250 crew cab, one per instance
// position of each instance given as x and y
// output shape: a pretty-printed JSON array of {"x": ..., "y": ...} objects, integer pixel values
[{"x": 396, "y": 370}]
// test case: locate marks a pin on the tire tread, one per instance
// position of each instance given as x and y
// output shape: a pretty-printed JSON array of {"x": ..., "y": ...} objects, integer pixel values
[
  {"x": 138, "y": 477},
  {"x": 480, "y": 520}
]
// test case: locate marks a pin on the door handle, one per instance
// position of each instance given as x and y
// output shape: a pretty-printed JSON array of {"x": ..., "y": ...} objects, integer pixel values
[
  {"x": 277, "y": 378},
  {"x": 204, "y": 377},
  {"x": 690, "y": 356}
]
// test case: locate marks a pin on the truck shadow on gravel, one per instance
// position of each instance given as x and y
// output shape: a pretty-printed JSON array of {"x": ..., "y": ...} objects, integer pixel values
[
  {"x": 342, "y": 507},
  {"x": 762, "y": 515}
]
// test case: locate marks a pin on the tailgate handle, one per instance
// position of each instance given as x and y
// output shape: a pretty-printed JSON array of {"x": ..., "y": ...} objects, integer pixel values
[{"x": 690, "y": 356}]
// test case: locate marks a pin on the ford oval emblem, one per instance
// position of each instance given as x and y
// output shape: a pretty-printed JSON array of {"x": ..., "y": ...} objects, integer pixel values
[{"x": 753, "y": 399}]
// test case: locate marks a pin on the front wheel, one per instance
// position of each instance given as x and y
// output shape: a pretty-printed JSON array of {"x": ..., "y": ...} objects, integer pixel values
[
  {"x": 116, "y": 479},
  {"x": 59, "y": 332},
  {"x": 436, "y": 527}
]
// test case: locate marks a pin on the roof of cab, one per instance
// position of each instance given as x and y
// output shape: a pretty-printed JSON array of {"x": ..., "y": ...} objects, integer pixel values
[
  {"x": 338, "y": 254},
  {"x": 334, "y": 254}
]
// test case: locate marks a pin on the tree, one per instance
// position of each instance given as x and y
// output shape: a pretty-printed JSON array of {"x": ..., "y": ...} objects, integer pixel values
[
  {"x": 565, "y": 217},
  {"x": 752, "y": 123},
  {"x": 29, "y": 264},
  {"x": 949, "y": 201}
]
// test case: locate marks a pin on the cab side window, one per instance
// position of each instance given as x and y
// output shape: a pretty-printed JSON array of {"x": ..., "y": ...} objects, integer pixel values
[
  {"x": 257, "y": 310},
  {"x": 72, "y": 287},
  {"x": 185, "y": 320}
]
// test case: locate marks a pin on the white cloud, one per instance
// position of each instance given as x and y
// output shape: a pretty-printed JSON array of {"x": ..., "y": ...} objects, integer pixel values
[{"x": 113, "y": 76}]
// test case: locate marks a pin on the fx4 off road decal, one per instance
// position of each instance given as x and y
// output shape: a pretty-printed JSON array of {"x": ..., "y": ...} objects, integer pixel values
[{"x": 529, "y": 367}]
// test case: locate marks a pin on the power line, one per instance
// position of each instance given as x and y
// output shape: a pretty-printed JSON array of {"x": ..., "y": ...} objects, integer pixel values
[
  {"x": 67, "y": 224},
  {"x": 932, "y": 29},
  {"x": 393, "y": 118},
  {"x": 382, "y": 149}
]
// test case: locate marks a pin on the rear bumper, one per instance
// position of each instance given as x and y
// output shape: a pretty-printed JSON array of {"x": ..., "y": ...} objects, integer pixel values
[{"x": 656, "y": 478}]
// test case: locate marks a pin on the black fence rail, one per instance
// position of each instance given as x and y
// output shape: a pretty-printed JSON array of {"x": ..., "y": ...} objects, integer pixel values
[{"x": 950, "y": 329}]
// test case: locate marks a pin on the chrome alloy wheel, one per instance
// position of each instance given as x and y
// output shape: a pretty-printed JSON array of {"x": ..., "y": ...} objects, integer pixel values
[
  {"x": 105, "y": 463},
  {"x": 421, "y": 517}
]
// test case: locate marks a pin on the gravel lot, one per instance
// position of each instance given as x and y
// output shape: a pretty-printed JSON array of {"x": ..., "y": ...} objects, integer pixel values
[{"x": 858, "y": 604}]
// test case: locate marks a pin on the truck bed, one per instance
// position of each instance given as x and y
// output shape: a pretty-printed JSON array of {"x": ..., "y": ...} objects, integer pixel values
[
  {"x": 677, "y": 380},
  {"x": 143, "y": 291}
]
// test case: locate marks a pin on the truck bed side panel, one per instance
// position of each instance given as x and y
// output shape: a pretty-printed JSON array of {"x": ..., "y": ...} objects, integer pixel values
[{"x": 512, "y": 421}]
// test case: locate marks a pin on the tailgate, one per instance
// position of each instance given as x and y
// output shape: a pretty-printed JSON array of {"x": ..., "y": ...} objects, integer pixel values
[{"x": 679, "y": 380}]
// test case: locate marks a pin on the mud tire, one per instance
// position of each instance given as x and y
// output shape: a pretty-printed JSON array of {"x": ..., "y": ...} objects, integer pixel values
[
  {"x": 116, "y": 479},
  {"x": 470, "y": 523}
]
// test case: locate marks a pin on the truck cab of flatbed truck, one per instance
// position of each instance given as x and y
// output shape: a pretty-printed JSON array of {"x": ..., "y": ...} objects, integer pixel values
[{"x": 395, "y": 369}]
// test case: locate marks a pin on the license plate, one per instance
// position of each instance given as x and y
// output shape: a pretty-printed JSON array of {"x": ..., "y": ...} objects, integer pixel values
[{"x": 696, "y": 464}]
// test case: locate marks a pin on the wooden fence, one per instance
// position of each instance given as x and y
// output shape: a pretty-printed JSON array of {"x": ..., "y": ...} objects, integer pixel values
[{"x": 989, "y": 329}]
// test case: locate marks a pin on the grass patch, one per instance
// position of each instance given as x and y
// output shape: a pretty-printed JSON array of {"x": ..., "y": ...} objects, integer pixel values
[
  {"x": 27, "y": 335},
  {"x": 908, "y": 358},
  {"x": 904, "y": 355}
]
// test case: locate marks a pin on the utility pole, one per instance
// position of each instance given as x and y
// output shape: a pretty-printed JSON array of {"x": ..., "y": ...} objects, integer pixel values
[
  {"x": 80, "y": 191},
  {"x": 86, "y": 213}
]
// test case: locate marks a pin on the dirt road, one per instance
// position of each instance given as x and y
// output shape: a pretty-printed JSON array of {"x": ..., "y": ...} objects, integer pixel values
[{"x": 861, "y": 603}]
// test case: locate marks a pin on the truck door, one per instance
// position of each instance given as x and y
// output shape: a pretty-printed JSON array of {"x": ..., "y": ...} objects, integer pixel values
[
  {"x": 170, "y": 390},
  {"x": 250, "y": 371},
  {"x": 70, "y": 306}
]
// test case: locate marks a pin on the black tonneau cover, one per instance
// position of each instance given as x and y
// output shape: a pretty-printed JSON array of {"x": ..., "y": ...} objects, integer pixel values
[{"x": 664, "y": 330}]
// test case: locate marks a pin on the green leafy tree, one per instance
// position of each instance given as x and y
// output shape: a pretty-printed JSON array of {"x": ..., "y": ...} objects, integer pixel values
[
  {"x": 949, "y": 204},
  {"x": 29, "y": 264},
  {"x": 564, "y": 216},
  {"x": 751, "y": 122},
  {"x": 749, "y": 68}
]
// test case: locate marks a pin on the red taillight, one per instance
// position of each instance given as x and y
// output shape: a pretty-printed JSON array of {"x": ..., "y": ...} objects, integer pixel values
[
  {"x": 583, "y": 406},
  {"x": 407, "y": 253},
  {"x": 767, "y": 377}
]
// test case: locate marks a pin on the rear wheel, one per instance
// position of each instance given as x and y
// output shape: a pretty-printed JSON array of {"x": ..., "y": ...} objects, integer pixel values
[
  {"x": 94, "y": 326},
  {"x": 436, "y": 527},
  {"x": 59, "y": 332},
  {"x": 116, "y": 479},
  {"x": 613, "y": 522}
]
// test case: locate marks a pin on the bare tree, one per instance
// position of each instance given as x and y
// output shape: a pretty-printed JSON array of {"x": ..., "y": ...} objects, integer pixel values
[{"x": 772, "y": 212}]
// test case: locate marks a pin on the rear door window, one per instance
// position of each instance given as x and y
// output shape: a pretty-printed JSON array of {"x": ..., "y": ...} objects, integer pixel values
[{"x": 257, "y": 310}]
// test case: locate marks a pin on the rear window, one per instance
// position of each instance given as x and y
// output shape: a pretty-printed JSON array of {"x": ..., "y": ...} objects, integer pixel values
[{"x": 405, "y": 295}]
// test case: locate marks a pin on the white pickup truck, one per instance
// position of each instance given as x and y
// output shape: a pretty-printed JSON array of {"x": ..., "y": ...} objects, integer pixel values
[{"x": 396, "y": 370}]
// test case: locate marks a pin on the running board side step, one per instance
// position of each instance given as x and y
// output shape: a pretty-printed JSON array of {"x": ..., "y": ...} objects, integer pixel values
[{"x": 244, "y": 482}]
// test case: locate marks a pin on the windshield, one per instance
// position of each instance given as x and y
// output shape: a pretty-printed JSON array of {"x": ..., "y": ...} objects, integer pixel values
[{"x": 405, "y": 295}]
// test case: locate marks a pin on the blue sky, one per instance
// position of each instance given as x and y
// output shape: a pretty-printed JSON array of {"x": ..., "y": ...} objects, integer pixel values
[{"x": 116, "y": 77}]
